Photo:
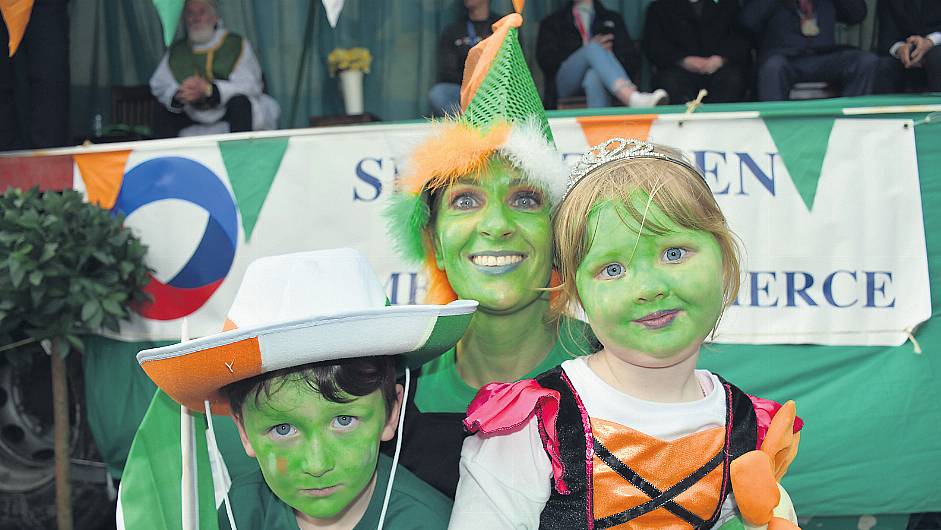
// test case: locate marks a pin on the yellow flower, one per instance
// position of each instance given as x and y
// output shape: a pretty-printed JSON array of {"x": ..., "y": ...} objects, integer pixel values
[{"x": 349, "y": 59}]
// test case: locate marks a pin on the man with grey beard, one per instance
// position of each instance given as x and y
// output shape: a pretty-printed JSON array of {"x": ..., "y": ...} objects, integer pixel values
[{"x": 210, "y": 81}]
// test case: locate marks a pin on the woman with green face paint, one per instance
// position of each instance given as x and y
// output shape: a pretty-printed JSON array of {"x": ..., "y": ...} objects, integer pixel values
[
  {"x": 472, "y": 207},
  {"x": 632, "y": 436},
  {"x": 307, "y": 366}
]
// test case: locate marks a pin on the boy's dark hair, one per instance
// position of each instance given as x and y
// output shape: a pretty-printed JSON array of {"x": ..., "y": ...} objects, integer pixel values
[{"x": 334, "y": 380}]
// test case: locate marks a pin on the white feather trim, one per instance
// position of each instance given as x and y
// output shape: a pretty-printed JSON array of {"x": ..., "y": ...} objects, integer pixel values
[{"x": 529, "y": 150}]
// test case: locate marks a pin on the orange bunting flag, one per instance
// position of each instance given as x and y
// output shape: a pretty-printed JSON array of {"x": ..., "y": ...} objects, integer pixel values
[{"x": 16, "y": 16}]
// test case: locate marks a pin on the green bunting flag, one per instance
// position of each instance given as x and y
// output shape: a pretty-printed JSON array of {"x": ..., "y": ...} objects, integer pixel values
[
  {"x": 150, "y": 497},
  {"x": 252, "y": 165},
  {"x": 169, "y": 12},
  {"x": 802, "y": 143}
]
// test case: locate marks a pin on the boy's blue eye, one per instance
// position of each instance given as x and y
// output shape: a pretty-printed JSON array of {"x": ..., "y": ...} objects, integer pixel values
[
  {"x": 611, "y": 271},
  {"x": 674, "y": 254},
  {"x": 283, "y": 429},
  {"x": 344, "y": 422}
]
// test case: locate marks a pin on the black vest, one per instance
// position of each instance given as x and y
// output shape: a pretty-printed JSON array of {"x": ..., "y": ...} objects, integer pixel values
[{"x": 574, "y": 510}]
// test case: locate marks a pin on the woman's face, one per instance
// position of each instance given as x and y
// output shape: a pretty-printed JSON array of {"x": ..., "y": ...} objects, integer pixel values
[
  {"x": 493, "y": 238},
  {"x": 650, "y": 298}
]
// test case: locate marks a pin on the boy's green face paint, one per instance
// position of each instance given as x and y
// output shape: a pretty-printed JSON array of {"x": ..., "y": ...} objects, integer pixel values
[
  {"x": 316, "y": 455},
  {"x": 651, "y": 299},
  {"x": 493, "y": 238}
]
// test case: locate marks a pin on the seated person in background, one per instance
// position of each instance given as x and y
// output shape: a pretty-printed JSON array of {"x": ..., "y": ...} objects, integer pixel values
[
  {"x": 697, "y": 44},
  {"x": 210, "y": 82},
  {"x": 797, "y": 43},
  {"x": 909, "y": 32},
  {"x": 456, "y": 40},
  {"x": 584, "y": 47}
]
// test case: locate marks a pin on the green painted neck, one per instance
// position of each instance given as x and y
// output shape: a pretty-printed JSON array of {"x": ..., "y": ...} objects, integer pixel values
[{"x": 505, "y": 347}]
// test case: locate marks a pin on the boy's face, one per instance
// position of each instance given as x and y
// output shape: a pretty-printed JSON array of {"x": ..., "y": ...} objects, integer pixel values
[
  {"x": 650, "y": 298},
  {"x": 493, "y": 238},
  {"x": 316, "y": 455}
]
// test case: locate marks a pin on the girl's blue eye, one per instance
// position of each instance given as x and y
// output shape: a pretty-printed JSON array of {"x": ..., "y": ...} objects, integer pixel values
[
  {"x": 283, "y": 429},
  {"x": 674, "y": 254},
  {"x": 464, "y": 201},
  {"x": 344, "y": 422},
  {"x": 611, "y": 271}
]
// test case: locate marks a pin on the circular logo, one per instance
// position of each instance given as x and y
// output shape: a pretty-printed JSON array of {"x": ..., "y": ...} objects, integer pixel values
[{"x": 185, "y": 180}]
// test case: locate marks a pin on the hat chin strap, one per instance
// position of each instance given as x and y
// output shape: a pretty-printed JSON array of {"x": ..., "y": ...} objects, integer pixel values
[
  {"x": 398, "y": 449},
  {"x": 218, "y": 471}
]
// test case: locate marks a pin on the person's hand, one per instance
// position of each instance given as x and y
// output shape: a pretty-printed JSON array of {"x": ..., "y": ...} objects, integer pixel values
[
  {"x": 713, "y": 63},
  {"x": 919, "y": 47},
  {"x": 605, "y": 40},
  {"x": 694, "y": 64},
  {"x": 192, "y": 89}
]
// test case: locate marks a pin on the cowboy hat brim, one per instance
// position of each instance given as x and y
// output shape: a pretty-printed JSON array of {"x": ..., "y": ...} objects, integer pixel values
[{"x": 194, "y": 371}]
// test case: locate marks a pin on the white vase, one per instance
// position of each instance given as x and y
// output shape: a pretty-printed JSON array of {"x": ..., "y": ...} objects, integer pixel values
[{"x": 351, "y": 84}]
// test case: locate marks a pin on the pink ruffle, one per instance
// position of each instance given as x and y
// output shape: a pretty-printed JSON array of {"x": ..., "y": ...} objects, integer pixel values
[
  {"x": 499, "y": 408},
  {"x": 765, "y": 409}
]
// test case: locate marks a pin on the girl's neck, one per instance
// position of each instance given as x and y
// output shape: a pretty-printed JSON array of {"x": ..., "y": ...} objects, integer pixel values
[
  {"x": 345, "y": 520},
  {"x": 669, "y": 384},
  {"x": 505, "y": 347},
  {"x": 478, "y": 13}
]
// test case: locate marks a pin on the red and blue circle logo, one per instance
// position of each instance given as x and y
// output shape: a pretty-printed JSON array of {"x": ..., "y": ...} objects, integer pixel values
[{"x": 179, "y": 178}]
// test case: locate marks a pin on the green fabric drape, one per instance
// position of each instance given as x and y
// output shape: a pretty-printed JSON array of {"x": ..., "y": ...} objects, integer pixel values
[{"x": 120, "y": 42}]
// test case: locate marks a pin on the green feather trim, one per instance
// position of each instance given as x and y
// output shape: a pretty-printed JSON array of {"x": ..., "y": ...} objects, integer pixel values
[{"x": 407, "y": 217}]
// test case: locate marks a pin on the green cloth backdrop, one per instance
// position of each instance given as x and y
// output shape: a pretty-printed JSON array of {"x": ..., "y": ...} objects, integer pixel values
[{"x": 120, "y": 42}]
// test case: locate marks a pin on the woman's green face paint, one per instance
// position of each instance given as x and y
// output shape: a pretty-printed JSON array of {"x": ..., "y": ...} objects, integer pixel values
[
  {"x": 316, "y": 455},
  {"x": 651, "y": 299},
  {"x": 493, "y": 238}
]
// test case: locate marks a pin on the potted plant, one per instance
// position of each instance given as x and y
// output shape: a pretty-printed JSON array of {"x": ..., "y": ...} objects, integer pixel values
[
  {"x": 351, "y": 64},
  {"x": 67, "y": 268}
]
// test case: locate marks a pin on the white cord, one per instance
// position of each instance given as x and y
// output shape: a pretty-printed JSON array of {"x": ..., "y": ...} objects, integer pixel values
[
  {"x": 398, "y": 448},
  {"x": 216, "y": 460}
]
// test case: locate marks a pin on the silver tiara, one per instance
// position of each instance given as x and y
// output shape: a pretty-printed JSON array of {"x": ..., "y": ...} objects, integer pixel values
[{"x": 623, "y": 149}]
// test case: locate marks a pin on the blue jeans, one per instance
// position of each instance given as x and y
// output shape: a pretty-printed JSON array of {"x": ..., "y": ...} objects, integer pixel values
[
  {"x": 445, "y": 99},
  {"x": 593, "y": 69}
]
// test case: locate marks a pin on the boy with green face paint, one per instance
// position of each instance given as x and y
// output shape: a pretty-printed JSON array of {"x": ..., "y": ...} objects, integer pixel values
[
  {"x": 632, "y": 436},
  {"x": 471, "y": 207},
  {"x": 307, "y": 367}
]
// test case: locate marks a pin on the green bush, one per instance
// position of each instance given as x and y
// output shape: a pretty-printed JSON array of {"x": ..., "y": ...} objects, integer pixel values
[{"x": 67, "y": 268}]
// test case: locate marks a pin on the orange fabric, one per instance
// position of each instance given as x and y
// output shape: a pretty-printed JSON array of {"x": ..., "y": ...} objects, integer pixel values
[
  {"x": 597, "y": 129},
  {"x": 455, "y": 151},
  {"x": 16, "y": 16},
  {"x": 663, "y": 464},
  {"x": 480, "y": 57},
  {"x": 781, "y": 441},
  {"x": 755, "y": 488},
  {"x": 192, "y": 378},
  {"x": 103, "y": 174},
  {"x": 228, "y": 325}
]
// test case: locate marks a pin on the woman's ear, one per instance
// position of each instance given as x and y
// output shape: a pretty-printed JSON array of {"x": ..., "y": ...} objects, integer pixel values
[
  {"x": 392, "y": 421},
  {"x": 246, "y": 443}
]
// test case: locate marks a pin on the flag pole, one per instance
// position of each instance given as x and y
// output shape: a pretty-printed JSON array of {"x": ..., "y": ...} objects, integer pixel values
[{"x": 189, "y": 487}]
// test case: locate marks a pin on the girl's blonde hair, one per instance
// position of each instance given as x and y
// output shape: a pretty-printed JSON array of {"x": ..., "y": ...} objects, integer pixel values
[{"x": 679, "y": 192}]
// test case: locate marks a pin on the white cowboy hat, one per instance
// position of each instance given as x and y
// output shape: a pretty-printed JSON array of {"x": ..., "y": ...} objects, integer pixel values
[{"x": 303, "y": 308}]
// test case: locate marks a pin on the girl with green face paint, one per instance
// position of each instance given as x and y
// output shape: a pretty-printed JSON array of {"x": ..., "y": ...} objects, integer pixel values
[{"x": 646, "y": 256}]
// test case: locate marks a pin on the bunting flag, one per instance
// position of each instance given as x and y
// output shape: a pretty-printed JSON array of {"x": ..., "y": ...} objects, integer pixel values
[
  {"x": 333, "y": 8},
  {"x": 169, "y": 12},
  {"x": 252, "y": 165},
  {"x": 151, "y": 492},
  {"x": 802, "y": 143},
  {"x": 102, "y": 174},
  {"x": 16, "y": 16}
]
